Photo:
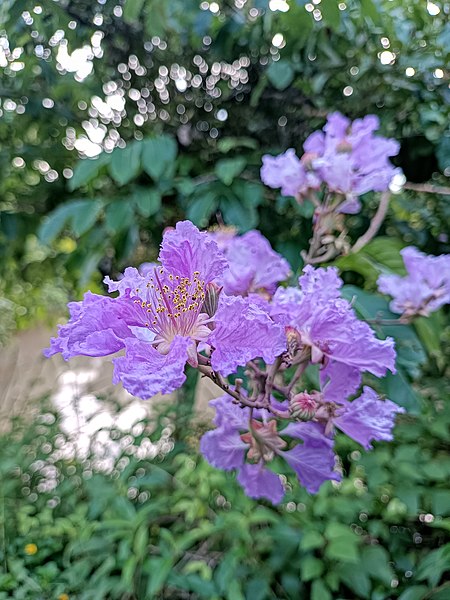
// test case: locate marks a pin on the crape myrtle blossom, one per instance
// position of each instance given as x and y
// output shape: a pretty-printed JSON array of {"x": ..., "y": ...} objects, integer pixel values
[
  {"x": 212, "y": 301},
  {"x": 365, "y": 418},
  {"x": 159, "y": 319},
  {"x": 346, "y": 157},
  {"x": 425, "y": 288},
  {"x": 287, "y": 172},
  {"x": 254, "y": 267},
  {"x": 327, "y": 325},
  {"x": 249, "y": 442}
]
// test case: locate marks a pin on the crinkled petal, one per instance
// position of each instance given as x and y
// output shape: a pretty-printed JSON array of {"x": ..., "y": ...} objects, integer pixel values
[
  {"x": 229, "y": 414},
  {"x": 132, "y": 282},
  {"x": 426, "y": 287},
  {"x": 254, "y": 265},
  {"x": 223, "y": 448},
  {"x": 185, "y": 250},
  {"x": 259, "y": 482},
  {"x": 339, "y": 381},
  {"x": 284, "y": 171},
  {"x": 368, "y": 418},
  {"x": 337, "y": 332},
  {"x": 98, "y": 327},
  {"x": 313, "y": 461},
  {"x": 144, "y": 372},
  {"x": 243, "y": 332},
  {"x": 322, "y": 283}
]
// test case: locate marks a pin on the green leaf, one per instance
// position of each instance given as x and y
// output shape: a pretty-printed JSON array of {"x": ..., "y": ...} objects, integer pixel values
[
  {"x": 158, "y": 156},
  {"x": 226, "y": 144},
  {"x": 369, "y": 9},
  {"x": 201, "y": 207},
  {"x": 225, "y": 571},
  {"x": 343, "y": 549},
  {"x": 429, "y": 330},
  {"x": 236, "y": 213},
  {"x": 229, "y": 168},
  {"x": 311, "y": 540},
  {"x": 356, "y": 580},
  {"x": 398, "y": 389},
  {"x": 440, "y": 502},
  {"x": 87, "y": 169},
  {"x": 132, "y": 10},
  {"x": 147, "y": 201},
  {"x": 141, "y": 541},
  {"x": 415, "y": 592},
  {"x": 382, "y": 255},
  {"x": 119, "y": 215},
  {"x": 311, "y": 568},
  {"x": 385, "y": 252},
  {"x": 81, "y": 214},
  {"x": 158, "y": 569},
  {"x": 249, "y": 192},
  {"x": 434, "y": 565},
  {"x": 331, "y": 14},
  {"x": 156, "y": 18},
  {"x": 128, "y": 571},
  {"x": 257, "y": 588},
  {"x": 375, "y": 563},
  {"x": 125, "y": 163},
  {"x": 234, "y": 591},
  {"x": 84, "y": 215},
  {"x": 280, "y": 74},
  {"x": 443, "y": 154},
  {"x": 319, "y": 591}
]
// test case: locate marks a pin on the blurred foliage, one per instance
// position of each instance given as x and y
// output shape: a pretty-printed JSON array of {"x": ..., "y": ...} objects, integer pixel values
[
  {"x": 182, "y": 98},
  {"x": 167, "y": 525}
]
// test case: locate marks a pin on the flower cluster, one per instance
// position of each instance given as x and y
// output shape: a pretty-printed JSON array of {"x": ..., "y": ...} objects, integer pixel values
[
  {"x": 346, "y": 157},
  {"x": 426, "y": 287},
  {"x": 321, "y": 328},
  {"x": 212, "y": 301}
]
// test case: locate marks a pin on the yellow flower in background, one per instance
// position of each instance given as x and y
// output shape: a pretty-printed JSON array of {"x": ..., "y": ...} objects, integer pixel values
[
  {"x": 63, "y": 597},
  {"x": 31, "y": 549}
]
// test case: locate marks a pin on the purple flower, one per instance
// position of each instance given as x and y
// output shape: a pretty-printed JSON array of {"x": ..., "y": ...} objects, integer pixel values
[
  {"x": 145, "y": 372},
  {"x": 367, "y": 418},
  {"x": 328, "y": 326},
  {"x": 426, "y": 287},
  {"x": 185, "y": 251},
  {"x": 350, "y": 159},
  {"x": 253, "y": 264},
  {"x": 287, "y": 172},
  {"x": 159, "y": 319},
  {"x": 242, "y": 332},
  {"x": 313, "y": 460},
  {"x": 98, "y": 326},
  {"x": 248, "y": 448},
  {"x": 259, "y": 482},
  {"x": 339, "y": 381}
]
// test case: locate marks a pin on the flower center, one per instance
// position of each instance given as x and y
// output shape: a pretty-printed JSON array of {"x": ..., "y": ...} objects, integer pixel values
[{"x": 173, "y": 305}]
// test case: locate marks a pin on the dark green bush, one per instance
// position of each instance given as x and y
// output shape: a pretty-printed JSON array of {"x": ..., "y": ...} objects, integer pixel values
[{"x": 172, "y": 527}]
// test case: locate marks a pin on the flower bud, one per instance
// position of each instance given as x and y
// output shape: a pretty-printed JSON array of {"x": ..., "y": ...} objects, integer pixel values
[
  {"x": 212, "y": 293},
  {"x": 303, "y": 406}
]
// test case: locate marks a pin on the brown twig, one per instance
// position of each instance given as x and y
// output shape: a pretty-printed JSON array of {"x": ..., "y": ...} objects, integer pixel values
[
  {"x": 375, "y": 223},
  {"x": 428, "y": 188},
  {"x": 298, "y": 373}
]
